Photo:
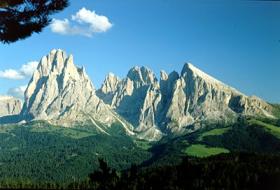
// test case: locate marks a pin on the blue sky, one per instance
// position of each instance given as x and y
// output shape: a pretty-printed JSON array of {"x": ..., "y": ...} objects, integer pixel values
[{"x": 237, "y": 42}]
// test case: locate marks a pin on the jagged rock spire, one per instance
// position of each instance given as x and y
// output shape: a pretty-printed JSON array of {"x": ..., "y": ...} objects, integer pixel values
[
  {"x": 62, "y": 93},
  {"x": 178, "y": 103}
]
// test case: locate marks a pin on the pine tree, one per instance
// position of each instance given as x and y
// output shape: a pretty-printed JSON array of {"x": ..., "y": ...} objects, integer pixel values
[{"x": 19, "y": 19}]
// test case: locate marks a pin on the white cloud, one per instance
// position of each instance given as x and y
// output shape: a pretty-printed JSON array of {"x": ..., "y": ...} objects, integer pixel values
[
  {"x": 61, "y": 26},
  {"x": 84, "y": 22},
  {"x": 24, "y": 72},
  {"x": 98, "y": 23},
  {"x": 11, "y": 74},
  {"x": 17, "y": 92},
  {"x": 29, "y": 68}
]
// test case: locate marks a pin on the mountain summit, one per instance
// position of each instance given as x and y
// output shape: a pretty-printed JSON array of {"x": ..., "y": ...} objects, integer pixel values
[
  {"x": 62, "y": 93},
  {"x": 178, "y": 103}
]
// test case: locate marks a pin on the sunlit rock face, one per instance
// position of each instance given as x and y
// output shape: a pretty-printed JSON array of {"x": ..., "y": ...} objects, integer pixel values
[
  {"x": 9, "y": 106},
  {"x": 199, "y": 97},
  {"x": 177, "y": 103},
  {"x": 135, "y": 98},
  {"x": 62, "y": 93}
]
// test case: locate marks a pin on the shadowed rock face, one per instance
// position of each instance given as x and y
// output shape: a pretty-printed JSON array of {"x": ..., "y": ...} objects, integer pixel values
[
  {"x": 9, "y": 106},
  {"x": 136, "y": 99},
  {"x": 178, "y": 103},
  {"x": 61, "y": 93}
]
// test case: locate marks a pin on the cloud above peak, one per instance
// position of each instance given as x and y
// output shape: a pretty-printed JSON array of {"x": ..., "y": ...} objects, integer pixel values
[
  {"x": 84, "y": 22},
  {"x": 24, "y": 72}
]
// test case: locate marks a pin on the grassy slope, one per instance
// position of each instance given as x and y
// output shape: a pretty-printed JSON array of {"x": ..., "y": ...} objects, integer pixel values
[
  {"x": 199, "y": 150},
  {"x": 244, "y": 136},
  {"x": 145, "y": 145},
  {"x": 276, "y": 110},
  {"x": 7, "y": 129},
  {"x": 272, "y": 129},
  {"x": 213, "y": 132},
  {"x": 64, "y": 132}
]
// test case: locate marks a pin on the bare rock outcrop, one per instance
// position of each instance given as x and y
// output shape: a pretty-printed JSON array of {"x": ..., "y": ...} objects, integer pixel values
[
  {"x": 178, "y": 103},
  {"x": 63, "y": 94},
  {"x": 9, "y": 106}
]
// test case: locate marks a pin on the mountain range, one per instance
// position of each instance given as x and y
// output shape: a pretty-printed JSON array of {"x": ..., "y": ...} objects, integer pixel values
[
  {"x": 65, "y": 125},
  {"x": 143, "y": 105}
]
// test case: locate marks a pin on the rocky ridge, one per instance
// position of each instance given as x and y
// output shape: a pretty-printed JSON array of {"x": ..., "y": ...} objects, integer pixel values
[
  {"x": 178, "y": 103},
  {"x": 9, "y": 106},
  {"x": 63, "y": 94},
  {"x": 135, "y": 98}
]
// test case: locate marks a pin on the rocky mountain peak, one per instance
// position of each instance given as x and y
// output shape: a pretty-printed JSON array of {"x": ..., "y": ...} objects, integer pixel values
[
  {"x": 142, "y": 75},
  {"x": 57, "y": 62},
  {"x": 63, "y": 94},
  {"x": 53, "y": 62},
  {"x": 190, "y": 69},
  {"x": 57, "y": 88},
  {"x": 163, "y": 75},
  {"x": 167, "y": 82},
  {"x": 173, "y": 76},
  {"x": 179, "y": 103},
  {"x": 110, "y": 83}
]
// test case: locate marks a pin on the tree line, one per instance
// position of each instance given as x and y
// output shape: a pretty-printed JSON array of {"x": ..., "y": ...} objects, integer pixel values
[{"x": 225, "y": 171}]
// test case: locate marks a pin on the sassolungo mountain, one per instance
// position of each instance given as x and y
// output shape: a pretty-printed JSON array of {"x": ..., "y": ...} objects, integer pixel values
[{"x": 65, "y": 125}]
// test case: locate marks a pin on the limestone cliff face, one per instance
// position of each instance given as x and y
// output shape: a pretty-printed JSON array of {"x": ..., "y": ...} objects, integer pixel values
[
  {"x": 135, "y": 98},
  {"x": 108, "y": 88},
  {"x": 178, "y": 103},
  {"x": 61, "y": 93},
  {"x": 198, "y": 97},
  {"x": 9, "y": 106}
]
